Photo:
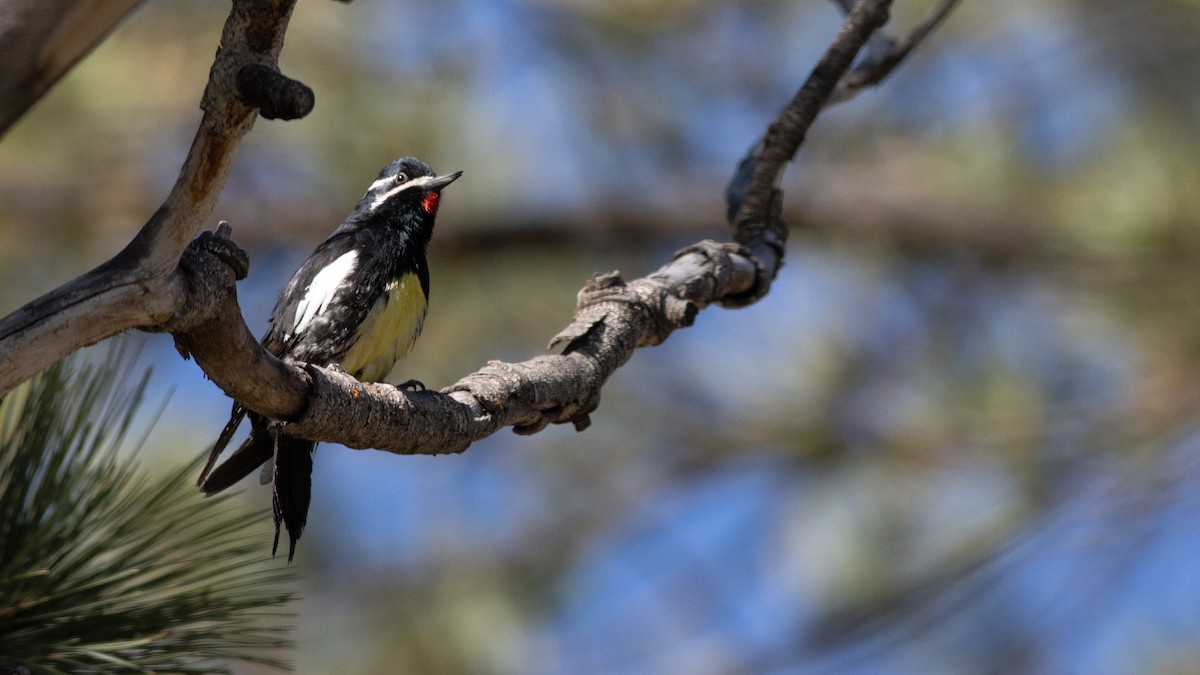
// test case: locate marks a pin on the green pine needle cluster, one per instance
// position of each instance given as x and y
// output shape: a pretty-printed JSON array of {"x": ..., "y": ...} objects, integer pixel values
[{"x": 103, "y": 569}]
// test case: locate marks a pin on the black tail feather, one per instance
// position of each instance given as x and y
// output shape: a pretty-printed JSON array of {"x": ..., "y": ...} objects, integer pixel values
[
  {"x": 293, "y": 488},
  {"x": 252, "y": 453},
  {"x": 235, "y": 420},
  {"x": 292, "y": 491}
]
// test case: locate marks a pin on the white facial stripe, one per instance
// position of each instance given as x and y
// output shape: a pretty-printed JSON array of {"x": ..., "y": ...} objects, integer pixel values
[
  {"x": 386, "y": 180},
  {"x": 323, "y": 289},
  {"x": 414, "y": 183}
]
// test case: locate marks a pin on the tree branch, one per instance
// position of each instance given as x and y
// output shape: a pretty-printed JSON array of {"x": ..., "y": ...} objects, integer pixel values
[
  {"x": 191, "y": 291},
  {"x": 612, "y": 318},
  {"x": 138, "y": 288},
  {"x": 884, "y": 53},
  {"x": 755, "y": 201}
]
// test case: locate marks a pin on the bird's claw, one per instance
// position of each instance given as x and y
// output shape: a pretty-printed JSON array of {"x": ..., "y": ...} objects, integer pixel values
[{"x": 412, "y": 385}]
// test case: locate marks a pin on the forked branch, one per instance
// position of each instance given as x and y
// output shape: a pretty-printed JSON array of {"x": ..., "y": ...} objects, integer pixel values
[{"x": 139, "y": 287}]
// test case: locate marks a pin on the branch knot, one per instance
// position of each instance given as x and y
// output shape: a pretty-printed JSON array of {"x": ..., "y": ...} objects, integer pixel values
[
  {"x": 208, "y": 269},
  {"x": 274, "y": 94},
  {"x": 646, "y": 311}
]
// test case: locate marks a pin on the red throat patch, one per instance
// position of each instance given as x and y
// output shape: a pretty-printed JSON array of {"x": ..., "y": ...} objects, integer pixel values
[{"x": 430, "y": 203}]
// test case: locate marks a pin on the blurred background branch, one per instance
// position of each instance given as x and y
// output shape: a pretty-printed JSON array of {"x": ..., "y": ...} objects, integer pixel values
[
  {"x": 884, "y": 53},
  {"x": 40, "y": 40}
]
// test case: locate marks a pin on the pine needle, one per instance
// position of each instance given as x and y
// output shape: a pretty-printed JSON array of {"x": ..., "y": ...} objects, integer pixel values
[{"x": 102, "y": 569}]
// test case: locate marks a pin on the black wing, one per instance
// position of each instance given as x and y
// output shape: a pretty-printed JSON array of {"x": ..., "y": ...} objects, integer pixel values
[{"x": 327, "y": 298}]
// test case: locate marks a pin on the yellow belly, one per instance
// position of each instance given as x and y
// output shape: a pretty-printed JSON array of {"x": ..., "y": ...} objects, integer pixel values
[{"x": 389, "y": 331}]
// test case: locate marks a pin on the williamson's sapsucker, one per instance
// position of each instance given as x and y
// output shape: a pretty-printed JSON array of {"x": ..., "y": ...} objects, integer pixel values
[{"x": 359, "y": 303}]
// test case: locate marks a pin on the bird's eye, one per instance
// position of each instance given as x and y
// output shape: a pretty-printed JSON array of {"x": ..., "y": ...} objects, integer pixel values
[{"x": 401, "y": 178}]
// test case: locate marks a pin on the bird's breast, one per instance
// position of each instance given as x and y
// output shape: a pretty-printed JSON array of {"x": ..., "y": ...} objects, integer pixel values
[{"x": 391, "y": 328}]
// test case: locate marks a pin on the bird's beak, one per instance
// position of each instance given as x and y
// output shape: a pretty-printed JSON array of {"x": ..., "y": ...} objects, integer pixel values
[{"x": 438, "y": 182}]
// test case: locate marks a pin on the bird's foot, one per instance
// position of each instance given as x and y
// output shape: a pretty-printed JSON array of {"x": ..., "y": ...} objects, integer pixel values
[{"x": 412, "y": 385}]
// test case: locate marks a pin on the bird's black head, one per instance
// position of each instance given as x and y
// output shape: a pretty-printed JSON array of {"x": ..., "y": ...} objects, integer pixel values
[{"x": 405, "y": 194}]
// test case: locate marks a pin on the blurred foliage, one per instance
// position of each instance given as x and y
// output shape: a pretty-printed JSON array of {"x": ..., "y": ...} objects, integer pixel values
[
  {"x": 958, "y": 435},
  {"x": 106, "y": 570}
]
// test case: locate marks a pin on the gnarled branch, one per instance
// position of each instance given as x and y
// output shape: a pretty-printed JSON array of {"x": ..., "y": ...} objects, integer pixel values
[
  {"x": 161, "y": 282},
  {"x": 612, "y": 318},
  {"x": 138, "y": 287},
  {"x": 321, "y": 404},
  {"x": 755, "y": 200}
]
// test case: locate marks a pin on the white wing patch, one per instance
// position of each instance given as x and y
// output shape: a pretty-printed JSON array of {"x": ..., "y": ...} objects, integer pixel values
[{"x": 323, "y": 289}]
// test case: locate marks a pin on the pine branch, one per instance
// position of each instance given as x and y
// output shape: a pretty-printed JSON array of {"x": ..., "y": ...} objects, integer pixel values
[{"x": 103, "y": 568}]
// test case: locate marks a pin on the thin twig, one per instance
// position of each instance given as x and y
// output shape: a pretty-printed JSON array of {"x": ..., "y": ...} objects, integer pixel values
[
  {"x": 756, "y": 209},
  {"x": 877, "y": 66}
]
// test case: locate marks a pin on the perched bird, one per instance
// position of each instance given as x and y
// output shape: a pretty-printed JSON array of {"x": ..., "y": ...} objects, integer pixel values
[{"x": 357, "y": 303}]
